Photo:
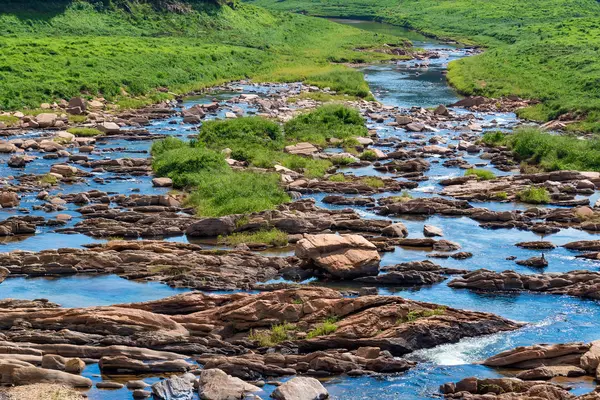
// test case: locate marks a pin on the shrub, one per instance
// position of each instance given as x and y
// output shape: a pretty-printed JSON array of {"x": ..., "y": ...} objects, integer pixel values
[
  {"x": 272, "y": 237},
  {"x": 85, "y": 132},
  {"x": 326, "y": 122},
  {"x": 169, "y": 143},
  {"x": 534, "y": 195},
  {"x": 481, "y": 174}
]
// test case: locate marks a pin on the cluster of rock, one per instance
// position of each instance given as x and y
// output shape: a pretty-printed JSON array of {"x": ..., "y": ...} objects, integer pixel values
[
  {"x": 535, "y": 367},
  {"x": 45, "y": 343},
  {"x": 582, "y": 283}
]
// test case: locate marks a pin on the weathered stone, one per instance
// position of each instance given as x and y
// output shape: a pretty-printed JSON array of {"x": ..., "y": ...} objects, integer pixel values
[
  {"x": 215, "y": 384},
  {"x": 301, "y": 388}
]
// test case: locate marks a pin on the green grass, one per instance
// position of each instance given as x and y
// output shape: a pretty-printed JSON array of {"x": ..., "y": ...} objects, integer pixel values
[
  {"x": 326, "y": 122},
  {"x": 414, "y": 315},
  {"x": 272, "y": 237},
  {"x": 374, "y": 182},
  {"x": 368, "y": 155},
  {"x": 277, "y": 334},
  {"x": 534, "y": 195},
  {"x": 328, "y": 327},
  {"x": 9, "y": 120},
  {"x": 540, "y": 49},
  {"x": 337, "y": 178},
  {"x": 550, "y": 151},
  {"x": 181, "y": 164},
  {"x": 255, "y": 131},
  {"x": 49, "y": 179},
  {"x": 403, "y": 198},
  {"x": 59, "y": 49},
  {"x": 225, "y": 193},
  {"x": 85, "y": 132},
  {"x": 480, "y": 174}
]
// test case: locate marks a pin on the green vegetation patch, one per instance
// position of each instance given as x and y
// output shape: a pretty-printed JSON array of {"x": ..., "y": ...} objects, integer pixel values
[
  {"x": 326, "y": 122},
  {"x": 85, "y": 132},
  {"x": 242, "y": 132},
  {"x": 328, "y": 327},
  {"x": 272, "y": 237},
  {"x": 539, "y": 49},
  {"x": 550, "y": 151},
  {"x": 277, "y": 334},
  {"x": 534, "y": 195},
  {"x": 480, "y": 174},
  {"x": 54, "y": 50}
]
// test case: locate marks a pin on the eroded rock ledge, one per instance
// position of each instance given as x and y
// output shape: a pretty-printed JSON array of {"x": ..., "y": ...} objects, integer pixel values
[
  {"x": 319, "y": 332},
  {"x": 534, "y": 368},
  {"x": 585, "y": 284}
]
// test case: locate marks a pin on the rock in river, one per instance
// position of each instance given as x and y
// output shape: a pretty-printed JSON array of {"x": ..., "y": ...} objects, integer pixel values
[
  {"x": 301, "y": 388},
  {"x": 342, "y": 256}
]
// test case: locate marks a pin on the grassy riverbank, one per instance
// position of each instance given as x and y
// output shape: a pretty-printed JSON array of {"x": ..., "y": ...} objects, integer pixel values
[
  {"x": 543, "y": 49},
  {"x": 125, "y": 49}
]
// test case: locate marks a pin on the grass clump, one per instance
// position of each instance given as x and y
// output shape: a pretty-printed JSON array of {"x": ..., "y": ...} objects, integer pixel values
[
  {"x": 368, "y": 155},
  {"x": 534, "y": 195},
  {"x": 247, "y": 130},
  {"x": 277, "y": 334},
  {"x": 414, "y": 315},
  {"x": 85, "y": 132},
  {"x": 403, "y": 198},
  {"x": 337, "y": 178},
  {"x": 326, "y": 122},
  {"x": 273, "y": 237},
  {"x": 374, "y": 182},
  {"x": 501, "y": 196},
  {"x": 179, "y": 163},
  {"x": 49, "y": 179},
  {"x": 481, "y": 174},
  {"x": 328, "y": 327},
  {"x": 233, "y": 192},
  {"x": 9, "y": 120}
]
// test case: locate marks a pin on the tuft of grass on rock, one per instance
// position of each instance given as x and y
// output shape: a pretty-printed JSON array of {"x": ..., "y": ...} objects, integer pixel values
[
  {"x": 534, "y": 195},
  {"x": 481, "y": 174},
  {"x": 272, "y": 237},
  {"x": 327, "y": 327},
  {"x": 85, "y": 132}
]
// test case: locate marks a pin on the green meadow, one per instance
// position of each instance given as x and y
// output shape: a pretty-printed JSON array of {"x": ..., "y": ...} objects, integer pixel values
[
  {"x": 125, "y": 51},
  {"x": 541, "y": 49}
]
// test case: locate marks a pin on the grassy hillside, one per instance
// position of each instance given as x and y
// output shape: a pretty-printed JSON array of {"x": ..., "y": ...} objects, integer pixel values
[
  {"x": 119, "y": 49},
  {"x": 544, "y": 49}
]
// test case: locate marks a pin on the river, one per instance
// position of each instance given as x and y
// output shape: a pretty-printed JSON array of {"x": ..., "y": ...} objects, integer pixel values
[{"x": 551, "y": 319}]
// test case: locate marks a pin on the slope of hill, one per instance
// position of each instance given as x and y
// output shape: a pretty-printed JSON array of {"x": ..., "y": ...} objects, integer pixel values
[
  {"x": 544, "y": 49},
  {"x": 120, "y": 49}
]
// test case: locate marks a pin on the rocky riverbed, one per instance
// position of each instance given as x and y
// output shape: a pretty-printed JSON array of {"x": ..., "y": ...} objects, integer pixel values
[{"x": 401, "y": 285}]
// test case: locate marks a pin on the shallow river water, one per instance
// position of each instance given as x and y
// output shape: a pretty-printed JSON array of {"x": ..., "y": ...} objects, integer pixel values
[{"x": 550, "y": 319}]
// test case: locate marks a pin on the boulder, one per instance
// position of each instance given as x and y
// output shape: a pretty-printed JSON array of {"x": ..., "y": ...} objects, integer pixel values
[
  {"x": 397, "y": 229},
  {"x": 9, "y": 199},
  {"x": 342, "y": 256},
  {"x": 4, "y": 272},
  {"x": 162, "y": 182},
  {"x": 32, "y": 375},
  {"x": 109, "y": 385},
  {"x": 63, "y": 170},
  {"x": 431, "y": 231},
  {"x": 6, "y": 147},
  {"x": 46, "y": 120},
  {"x": 303, "y": 148},
  {"x": 215, "y": 384},
  {"x": 211, "y": 227},
  {"x": 174, "y": 388},
  {"x": 109, "y": 127},
  {"x": 76, "y": 106},
  {"x": 301, "y": 388}
]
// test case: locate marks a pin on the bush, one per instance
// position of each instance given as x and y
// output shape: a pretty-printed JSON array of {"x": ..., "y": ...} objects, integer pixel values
[
  {"x": 534, "y": 195},
  {"x": 169, "y": 143},
  {"x": 84, "y": 132},
  {"x": 481, "y": 174},
  {"x": 326, "y": 122},
  {"x": 233, "y": 192},
  {"x": 241, "y": 133}
]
